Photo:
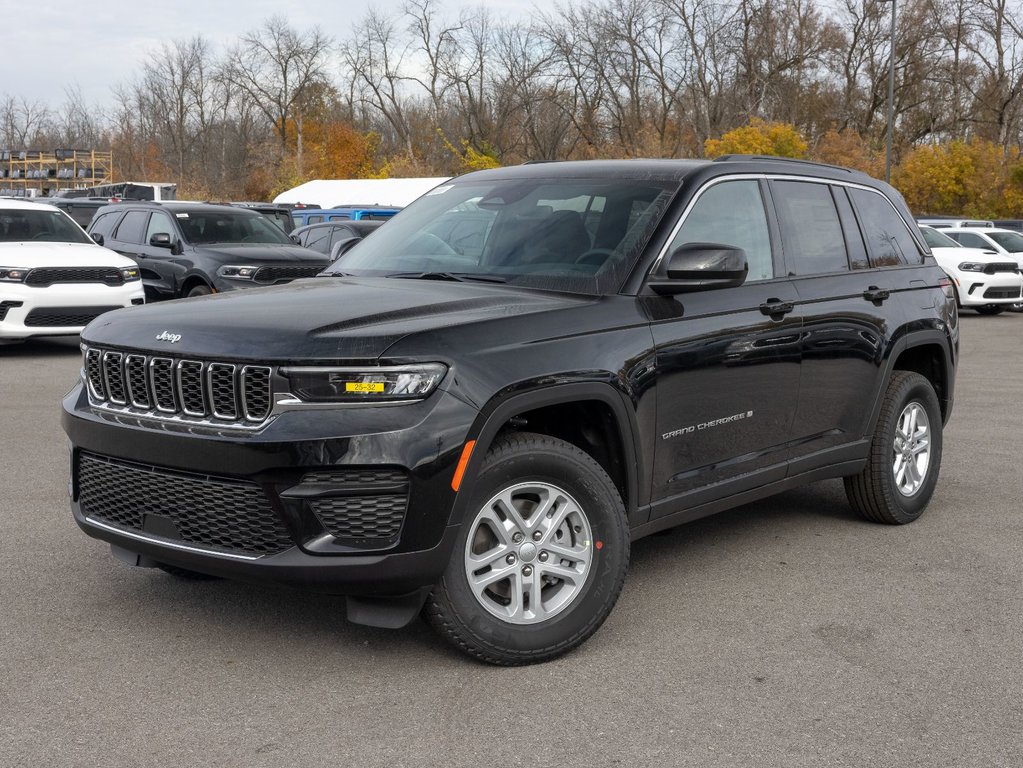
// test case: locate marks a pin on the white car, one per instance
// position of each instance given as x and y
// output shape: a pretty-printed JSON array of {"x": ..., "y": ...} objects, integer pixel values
[
  {"x": 54, "y": 279},
  {"x": 985, "y": 280}
]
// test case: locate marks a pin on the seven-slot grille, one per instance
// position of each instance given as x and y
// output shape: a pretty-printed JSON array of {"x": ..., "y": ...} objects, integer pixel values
[
  {"x": 276, "y": 274},
  {"x": 43, "y": 276},
  {"x": 214, "y": 512},
  {"x": 172, "y": 387}
]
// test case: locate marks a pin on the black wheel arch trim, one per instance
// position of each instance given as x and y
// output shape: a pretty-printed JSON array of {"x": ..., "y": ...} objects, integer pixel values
[
  {"x": 496, "y": 413},
  {"x": 912, "y": 339}
]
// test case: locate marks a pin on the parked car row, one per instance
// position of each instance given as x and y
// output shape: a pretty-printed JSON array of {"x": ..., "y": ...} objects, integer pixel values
[{"x": 984, "y": 262}]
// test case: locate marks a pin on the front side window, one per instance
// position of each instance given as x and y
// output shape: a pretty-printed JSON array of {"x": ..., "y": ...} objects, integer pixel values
[
  {"x": 581, "y": 235},
  {"x": 889, "y": 242},
  {"x": 103, "y": 224},
  {"x": 731, "y": 213},
  {"x": 159, "y": 223},
  {"x": 970, "y": 240},
  {"x": 810, "y": 228},
  {"x": 318, "y": 239},
  {"x": 132, "y": 227}
]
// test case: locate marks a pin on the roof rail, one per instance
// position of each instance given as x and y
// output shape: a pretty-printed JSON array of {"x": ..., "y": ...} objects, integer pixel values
[{"x": 730, "y": 158}]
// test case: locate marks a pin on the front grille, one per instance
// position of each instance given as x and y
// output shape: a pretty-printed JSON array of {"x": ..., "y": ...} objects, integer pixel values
[
  {"x": 6, "y": 305},
  {"x": 190, "y": 390},
  {"x": 1002, "y": 293},
  {"x": 64, "y": 317},
  {"x": 218, "y": 513},
  {"x": 44, "y": 276},
  {"x": 361, "y": 506},
  {"x": 284, "y": 274},
  {"x": 1008, "y": 266}
]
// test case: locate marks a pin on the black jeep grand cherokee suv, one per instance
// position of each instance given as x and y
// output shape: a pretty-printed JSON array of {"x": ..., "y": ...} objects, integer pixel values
[
  {"x": 193, "y": 249},
  {"x": 477, "y": 428}
]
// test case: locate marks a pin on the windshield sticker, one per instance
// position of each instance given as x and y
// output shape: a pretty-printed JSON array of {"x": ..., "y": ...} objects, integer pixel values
[
  {"x": 181, "y": 215},
  {"x": 439, "y": 190}
]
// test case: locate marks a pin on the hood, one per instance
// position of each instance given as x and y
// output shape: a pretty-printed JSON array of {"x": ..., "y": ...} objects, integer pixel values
[
  {"x": 42, "y": 254},
  {"x": 955, "y": 256},
  {"x": 258, "y": 253},
  {"x": 318, "y": 319}
]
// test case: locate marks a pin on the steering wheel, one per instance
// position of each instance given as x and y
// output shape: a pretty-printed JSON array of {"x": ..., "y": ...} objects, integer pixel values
[
  {"x": 595, "y": 256},
  {"x": 40, "y": 235}
]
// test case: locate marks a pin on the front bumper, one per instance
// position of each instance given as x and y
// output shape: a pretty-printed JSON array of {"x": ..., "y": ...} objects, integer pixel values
[
  {"x": 46, "y": 304},
  {"x": 178, "y": 505},
  {"x": 979, "y": 289}
]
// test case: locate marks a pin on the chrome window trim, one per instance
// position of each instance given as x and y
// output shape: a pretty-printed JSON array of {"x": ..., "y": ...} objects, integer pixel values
[{"x": 767, "y": 177}]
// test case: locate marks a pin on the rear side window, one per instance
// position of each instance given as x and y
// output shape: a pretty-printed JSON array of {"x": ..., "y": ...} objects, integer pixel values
[
  {"x": 314, "y": 220},
  {"x": 104, "y": 224},
  {"x": 731, "y": 213},
  {"x": 889, "y": 242},
  {"x": 811, "y": 231},
  {"x": 132, "y": 227}
]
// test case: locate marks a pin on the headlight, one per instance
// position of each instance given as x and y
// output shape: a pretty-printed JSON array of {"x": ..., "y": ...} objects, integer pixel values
[
  {"x": 237, "y": 271},
  {"x": 12, "y": 274},
  {"x": 971, "y": 266},
  {"x": 130, "y": 273},
  {"x": 360, "y": 385}
]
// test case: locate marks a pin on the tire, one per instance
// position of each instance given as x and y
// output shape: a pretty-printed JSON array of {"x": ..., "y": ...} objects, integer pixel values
[
  {"x": 184, "y": 573},
  {"x": 496, "y": 620},
  {"x": 891, "y": 489},
  {"x": 990, "y": 309},
  {"x": 199, "y": 290}
]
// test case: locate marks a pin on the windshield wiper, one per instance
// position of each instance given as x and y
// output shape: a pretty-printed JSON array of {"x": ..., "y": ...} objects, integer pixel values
[{"x": 458, "y": 277}]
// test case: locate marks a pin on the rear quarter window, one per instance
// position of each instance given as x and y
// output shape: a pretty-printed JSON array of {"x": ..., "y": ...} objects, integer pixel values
[{"x": 889, "y": 242}]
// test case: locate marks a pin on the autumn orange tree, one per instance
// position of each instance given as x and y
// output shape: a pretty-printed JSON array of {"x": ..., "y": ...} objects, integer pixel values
[
  {"x": 975, "y": 178},
  {"x": 759, "y": 138}
]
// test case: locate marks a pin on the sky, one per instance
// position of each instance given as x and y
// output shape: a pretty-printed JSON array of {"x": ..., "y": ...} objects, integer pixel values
[{"x": 97, "y": 44}]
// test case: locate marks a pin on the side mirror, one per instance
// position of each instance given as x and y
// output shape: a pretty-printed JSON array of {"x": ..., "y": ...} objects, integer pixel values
[
  {"x": 295, "y": 240},
  {"x": 702, "y": 267},
  {"x": 97, "y": 238},
  {"x": 161, "y": 240},
  {"x": 341, "y": 247}
]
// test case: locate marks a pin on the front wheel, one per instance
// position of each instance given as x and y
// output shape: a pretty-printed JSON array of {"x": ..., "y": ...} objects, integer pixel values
[
  {"x": 905, "y": 454},
  {"x": 199, "y": 290},
  {"x": 540, "y": 559}
]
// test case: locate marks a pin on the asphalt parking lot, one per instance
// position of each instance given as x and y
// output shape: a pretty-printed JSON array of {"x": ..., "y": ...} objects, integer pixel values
[{"x": 783, "y": 633}]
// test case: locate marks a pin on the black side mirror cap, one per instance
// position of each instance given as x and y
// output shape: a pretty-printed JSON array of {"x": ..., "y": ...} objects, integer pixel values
[
  {"x": 702, "y": 267},
  {"x": 161, "y": 240},
  {"x": 97, "y": 238},
  {"x": 341, "y": 247}
]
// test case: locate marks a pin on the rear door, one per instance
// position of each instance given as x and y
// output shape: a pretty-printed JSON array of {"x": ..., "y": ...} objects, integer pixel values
[{"x": 727, "y": 361}]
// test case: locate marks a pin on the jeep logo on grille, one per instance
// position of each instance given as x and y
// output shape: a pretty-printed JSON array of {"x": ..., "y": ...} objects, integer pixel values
[{"x": 173, "y": 338}]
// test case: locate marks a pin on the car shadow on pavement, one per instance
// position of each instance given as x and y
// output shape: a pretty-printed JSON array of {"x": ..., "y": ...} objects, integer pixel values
[{"x": 57, "y": 346}]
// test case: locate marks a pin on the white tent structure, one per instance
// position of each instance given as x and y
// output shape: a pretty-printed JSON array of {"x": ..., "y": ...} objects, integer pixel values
[{"x": 330, "y": 193}]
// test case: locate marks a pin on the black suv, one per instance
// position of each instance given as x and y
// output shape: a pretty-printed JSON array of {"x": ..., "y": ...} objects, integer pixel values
[
  {"x": 628, "y": 345},
  {"x": 192, "y": 249}
]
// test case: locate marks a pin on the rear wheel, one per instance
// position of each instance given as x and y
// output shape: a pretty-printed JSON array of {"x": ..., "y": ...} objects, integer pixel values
[
  {"x": 540, "y": 559},
  {"x": 905, "y": 454}
]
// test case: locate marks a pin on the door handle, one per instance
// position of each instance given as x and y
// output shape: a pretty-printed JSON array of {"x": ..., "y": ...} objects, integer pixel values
[
  {"x": 876, "y": 295},
  {"x": 776, "y": 307}
]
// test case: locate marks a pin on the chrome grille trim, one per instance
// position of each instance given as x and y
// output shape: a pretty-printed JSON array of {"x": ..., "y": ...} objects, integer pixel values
[
  {"x": 190, "y": 387},
  {"x": 138, "y": 390},
  {"x": 113, "y": 377},
  {"x": 218, "y": 395}
]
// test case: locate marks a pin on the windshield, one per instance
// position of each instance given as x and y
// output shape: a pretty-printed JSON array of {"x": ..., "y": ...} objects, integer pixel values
[
  {"x": 1010, "y": 241},
  {"x": 576, "y": 235},
  {"x": 21, "y": 225},
  {"x": 935, "y": 239},
  {"x": 207, "y": 227}
]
